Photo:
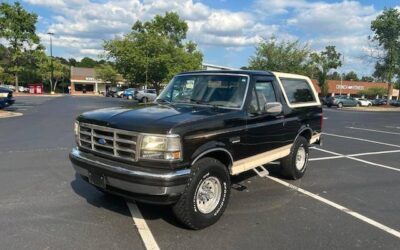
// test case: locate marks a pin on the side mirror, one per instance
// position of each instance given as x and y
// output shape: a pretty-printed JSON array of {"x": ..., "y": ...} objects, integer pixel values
[{"x": 273, "y": 108}]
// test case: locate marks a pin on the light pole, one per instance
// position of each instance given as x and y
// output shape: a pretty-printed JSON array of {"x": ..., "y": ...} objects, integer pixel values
[{"x": 51, "y": 60}]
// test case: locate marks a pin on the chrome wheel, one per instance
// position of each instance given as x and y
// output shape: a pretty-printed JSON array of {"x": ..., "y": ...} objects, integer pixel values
[
  {"x": 301, "y": 158},
  {"x": 208, "y": 194}
]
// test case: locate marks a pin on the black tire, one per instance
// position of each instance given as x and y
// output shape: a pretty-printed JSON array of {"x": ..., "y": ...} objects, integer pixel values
[
  {"x": 288, "y": 164},
  {"x": 340, "y": 105},
  {"x": 329, "y": 105},
  {"x": 186, "y": 209}
]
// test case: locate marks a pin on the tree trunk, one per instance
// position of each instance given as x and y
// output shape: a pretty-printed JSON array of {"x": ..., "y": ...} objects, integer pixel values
[
  {"x": 390, "y": 93},
  {"x": 16, "y": 83}
]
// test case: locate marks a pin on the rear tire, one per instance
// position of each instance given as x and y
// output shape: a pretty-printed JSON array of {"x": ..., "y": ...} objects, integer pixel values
[
  {"x": 129, "y": 97},
  {"x": 340, "y": 105},
  {"x": 295, "y": 164},
  {"x": 206, "y": 195}
]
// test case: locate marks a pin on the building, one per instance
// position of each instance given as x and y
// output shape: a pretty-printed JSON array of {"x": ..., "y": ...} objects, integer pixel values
[
  {"x": 84, "y": 81},
  {"x": 336, "y": 87},
  {"x": 207, "y": 66}
]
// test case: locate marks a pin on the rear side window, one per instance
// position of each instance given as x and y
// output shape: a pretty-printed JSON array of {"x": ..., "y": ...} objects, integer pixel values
[{"x": 297, "y": 90}]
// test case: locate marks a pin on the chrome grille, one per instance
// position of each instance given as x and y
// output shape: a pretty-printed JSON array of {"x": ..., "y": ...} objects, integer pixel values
[{"x": 108, "y": 141}]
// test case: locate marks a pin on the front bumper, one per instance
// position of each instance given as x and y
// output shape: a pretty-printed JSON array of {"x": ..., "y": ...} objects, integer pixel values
[
  {"x": 6, "y": 102},
  {"x": 142, "y": 184}
]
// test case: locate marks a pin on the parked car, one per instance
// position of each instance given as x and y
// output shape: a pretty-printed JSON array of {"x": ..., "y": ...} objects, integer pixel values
[
  {"x": 146, "y": 95},
  {"x": 6, "y": 97},
  {"x": 395, "y": 103},
  {"x": 203, "y": 128},
  {"x": 130, "y": 93},
  {"x": 114, "y": 92},
  {"x": 342, "y": 101},
  {"x": 23, "y": 89},
  {"x": 364, "y": 102},
  {"x": 378, "y": 102}
]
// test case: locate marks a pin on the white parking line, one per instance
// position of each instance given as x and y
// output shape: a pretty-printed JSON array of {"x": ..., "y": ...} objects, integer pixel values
[
  {"x": 374, "y": 130},
  {"x": 356, "y": 159},
  {"x": 361, "y": 139},
  {"x": 352, "y": 155},
  {"x": 339, "y": 207},
  {"x": 144, "y": 230}
]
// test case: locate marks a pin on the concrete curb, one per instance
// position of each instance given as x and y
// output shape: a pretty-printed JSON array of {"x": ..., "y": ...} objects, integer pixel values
[
  {"x": 33, "y": 95},
  {"x": 369, "y": 109},
  {"x": 7, "y": 114}
]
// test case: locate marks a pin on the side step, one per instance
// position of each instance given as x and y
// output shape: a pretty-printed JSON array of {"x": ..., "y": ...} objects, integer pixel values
[{"x": 261, "y": 171}]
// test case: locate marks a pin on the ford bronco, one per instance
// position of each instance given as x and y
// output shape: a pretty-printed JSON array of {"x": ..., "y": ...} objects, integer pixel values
[{"x": 204, "y": 127}]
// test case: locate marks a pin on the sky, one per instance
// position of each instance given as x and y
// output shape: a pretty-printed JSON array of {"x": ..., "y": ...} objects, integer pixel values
[{"x": 226, "y": 31}]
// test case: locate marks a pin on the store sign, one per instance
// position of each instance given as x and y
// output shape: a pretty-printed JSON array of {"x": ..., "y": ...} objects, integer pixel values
[
  {"x": 350, "y": 87},
  {"x": 89, "y": 78}
]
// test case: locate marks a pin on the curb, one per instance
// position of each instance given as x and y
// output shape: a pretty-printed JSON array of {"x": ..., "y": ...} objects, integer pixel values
[{"x": 7, "y": 114}]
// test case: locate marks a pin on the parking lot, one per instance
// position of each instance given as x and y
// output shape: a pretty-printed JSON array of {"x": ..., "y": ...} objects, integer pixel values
[{"x": 349, "y": 198}]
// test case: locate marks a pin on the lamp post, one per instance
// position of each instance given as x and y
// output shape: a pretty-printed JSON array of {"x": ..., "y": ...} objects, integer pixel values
[{"x": 51, "y": 60}]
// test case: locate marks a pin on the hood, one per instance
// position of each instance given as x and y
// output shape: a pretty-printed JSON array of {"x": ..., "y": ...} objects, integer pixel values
[{"x": 149, "y": 119}]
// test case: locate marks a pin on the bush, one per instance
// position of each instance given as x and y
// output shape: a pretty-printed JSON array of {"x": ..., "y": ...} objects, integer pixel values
[{"x": 373, "y": 92}]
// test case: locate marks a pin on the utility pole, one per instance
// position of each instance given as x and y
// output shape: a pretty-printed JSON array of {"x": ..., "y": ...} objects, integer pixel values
[
  {"x": 51, "y": 61},
  {"x": 341, "y": 79}
]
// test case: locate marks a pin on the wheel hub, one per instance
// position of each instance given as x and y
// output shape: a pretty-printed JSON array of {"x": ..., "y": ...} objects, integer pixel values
[
  {"x": 301, "y": 158},
  {"x": 208, "y": 194}
]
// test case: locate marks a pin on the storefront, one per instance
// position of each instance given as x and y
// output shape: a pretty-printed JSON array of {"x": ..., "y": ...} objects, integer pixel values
[
  {"x": 83, "y": 81},
  {"x": 353, "y": 88}
]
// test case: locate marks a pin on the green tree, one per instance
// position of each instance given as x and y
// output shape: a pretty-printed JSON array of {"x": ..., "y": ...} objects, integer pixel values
[
  {"x": 367, "y": 79},
  {"x": 386, "y": 28},
  {"x": 334, "y": 76},
  {"x": 106, "y": 73},
  {"x": 60, "y": 71},
  {"x": 373, "y": 92},
  {"x": 17, "y": 27},
  {"x": 87, "y": 62},
  {"x": 282, "y": 56},
  {"x": 154, "y": 51},
  {"x": 324, "y": 62},
  {"x": 351, "y": 76}
]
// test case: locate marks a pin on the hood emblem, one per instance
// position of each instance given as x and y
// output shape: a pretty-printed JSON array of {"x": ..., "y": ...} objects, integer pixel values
[{"x": 102, "y": 141}]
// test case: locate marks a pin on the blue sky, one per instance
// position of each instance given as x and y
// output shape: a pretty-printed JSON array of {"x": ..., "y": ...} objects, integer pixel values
[{"x": 226, "y": 31}]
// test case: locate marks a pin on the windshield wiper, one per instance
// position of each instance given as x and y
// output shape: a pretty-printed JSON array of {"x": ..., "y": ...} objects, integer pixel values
[{"x": 198, "y": 101}]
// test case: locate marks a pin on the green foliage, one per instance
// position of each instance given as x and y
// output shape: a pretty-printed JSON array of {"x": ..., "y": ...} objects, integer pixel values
[
  {"x": 324, "y": 62},
  {"x": 367, "y": 79},
  {"x": 106, "y": 72},
  {"x": 282, "y": 56},
  {"x": 334, "y": 76},
  {"x": 60, "y": 71},
  {"x": 373, "y": 92},
  {"x": 351, "y": 76},
  {"x": 17, "y": 27},
  {"x": 154, "y": 51},
  {"x": 386, "y": 28},
  {"x": 87, "y": 62}
]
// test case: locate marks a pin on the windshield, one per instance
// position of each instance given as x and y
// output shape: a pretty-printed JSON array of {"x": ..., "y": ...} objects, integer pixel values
[{"x": 216, "y": 90}]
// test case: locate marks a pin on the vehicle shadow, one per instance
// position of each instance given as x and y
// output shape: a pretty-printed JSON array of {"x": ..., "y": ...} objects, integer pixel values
[
  {"x": 152, "y": 212},
  {"x": 97, "y": 198}
]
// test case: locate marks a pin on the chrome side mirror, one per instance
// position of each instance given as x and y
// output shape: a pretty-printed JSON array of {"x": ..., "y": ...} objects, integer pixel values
[{"x": 273, "y": 108}]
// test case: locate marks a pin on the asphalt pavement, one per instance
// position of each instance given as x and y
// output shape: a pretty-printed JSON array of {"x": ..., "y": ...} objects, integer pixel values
[{"x": 349, "y": 197}]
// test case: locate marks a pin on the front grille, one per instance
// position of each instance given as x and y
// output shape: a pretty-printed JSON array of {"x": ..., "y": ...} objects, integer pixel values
[{"x": 108, "y": 141}]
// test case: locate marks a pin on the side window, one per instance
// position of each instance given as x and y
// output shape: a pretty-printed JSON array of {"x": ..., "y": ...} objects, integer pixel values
[
  {"x": 262, "y": 93},
  {"x": 297, "y": 90}
]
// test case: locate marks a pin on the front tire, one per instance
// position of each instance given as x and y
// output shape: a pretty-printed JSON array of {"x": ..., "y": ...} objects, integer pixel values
[
  {"x": 340, "y": 105},
  {"x": 206, "y": 195},
  {"x": 295, "y": 164}
]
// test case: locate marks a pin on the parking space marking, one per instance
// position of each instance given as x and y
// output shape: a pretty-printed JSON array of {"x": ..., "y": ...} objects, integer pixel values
[
  {"x": 144, "y": 230},
  {"x": 353, "y": 155},
  {"x": 339, "y": 207},
  {"x": 374, "y": 130},
  {"x": 356, "y": 159},
  {"x": 361, "y": 139}
]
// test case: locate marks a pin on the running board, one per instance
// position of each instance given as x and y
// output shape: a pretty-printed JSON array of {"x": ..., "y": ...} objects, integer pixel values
[{"x": 261, "y": 171}]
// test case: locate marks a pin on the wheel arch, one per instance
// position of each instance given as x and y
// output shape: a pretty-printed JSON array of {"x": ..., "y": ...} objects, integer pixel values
[
  {"x": 219, "y": 153},
  {"x": 306, "y": 132}
]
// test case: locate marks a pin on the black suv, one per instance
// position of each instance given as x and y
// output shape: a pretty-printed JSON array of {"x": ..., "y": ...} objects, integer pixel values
[
  {"x": 6, "y": 97},
  {"x": 203, "y": 127}
]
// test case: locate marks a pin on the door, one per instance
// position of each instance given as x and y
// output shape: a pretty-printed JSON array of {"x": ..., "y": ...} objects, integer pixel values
[{"x": 264, "y": 131}]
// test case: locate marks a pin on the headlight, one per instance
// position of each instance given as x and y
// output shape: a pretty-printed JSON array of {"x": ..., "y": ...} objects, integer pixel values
[
  {"x": 160, "y": 147},
  {"x": 76, "y": 128}
]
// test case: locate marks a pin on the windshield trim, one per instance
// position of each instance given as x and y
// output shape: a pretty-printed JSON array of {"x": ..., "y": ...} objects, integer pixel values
[{"x": 214, "y": 74}]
